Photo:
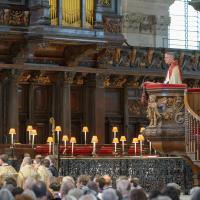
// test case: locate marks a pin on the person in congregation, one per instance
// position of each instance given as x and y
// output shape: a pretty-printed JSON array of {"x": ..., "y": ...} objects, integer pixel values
[
  {"x": 108, "y": 182},
  {"x": 6, "y": 170},
  {"x": 27, "y": 170},
  {"x": 44, "y": 172},
  {"x": 174, "y": 72},
  {"x": 52, "y": 167}
]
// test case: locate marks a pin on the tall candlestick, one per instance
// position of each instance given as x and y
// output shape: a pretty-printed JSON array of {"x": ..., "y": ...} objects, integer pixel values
[
  {"x": 33, "y": 133},
  {"x": 135, "y": 148},
  {"x": 114, "y": 130},
  {"x": 12, "y": 132},
  {"x": 12, "y": 139},
  {"x": 58, "y": 130},
  {"x": 65, "y": 144},
  {"x": 140, "y": 147},
  {"x": 29, "y": 129},
  {"x": 49, "y": 147},
  {"x": 72, "y": 149},
  {"x": 135, "y": 141},
  {"x": 123, "y": 146},
  {"x": 33, "y": 141},
  {"x": 85, "y": 130},
  {"x": 29, "y": 137},
  {"x": 50, "y": 140},
  {"x": 85, "y": 133},
  {"x": 73, "y": 141},
  {"x": 94, "y": 148},
  {"x": 58, "y": 136},
  {"x": 149, "y": 147},
  {"x": 94, "y": 141}
]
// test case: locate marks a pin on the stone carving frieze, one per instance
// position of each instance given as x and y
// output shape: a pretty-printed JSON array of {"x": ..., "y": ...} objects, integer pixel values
[
  {"x": 162, "y": 23},
  {"x": 139, "y": 23},
  {"x": 14, "y": 17}
]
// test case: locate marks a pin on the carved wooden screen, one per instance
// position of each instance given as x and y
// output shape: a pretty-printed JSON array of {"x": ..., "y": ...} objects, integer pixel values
[{"x": 53, "y": 12}]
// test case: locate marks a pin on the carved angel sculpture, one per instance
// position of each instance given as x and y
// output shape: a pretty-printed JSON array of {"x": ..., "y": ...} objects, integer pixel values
[{"x": 152, "y": 111}]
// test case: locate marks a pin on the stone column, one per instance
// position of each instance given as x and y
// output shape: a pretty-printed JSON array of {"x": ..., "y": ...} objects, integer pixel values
[
  {"x": 126, "y": 114},
  {"x": 66, "y": 103},
  {"x": 39, "y": 12},
  {"x": 12, "y": 103}
]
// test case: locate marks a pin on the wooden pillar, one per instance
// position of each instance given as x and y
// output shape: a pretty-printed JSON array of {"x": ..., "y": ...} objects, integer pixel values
[
  {"x": 96, "y": 106},
  {"x": 66, "y": 102},
  {"x": 1, "y": 112},
  {"x": 12, "y": 99},
  {"x": 126, "y": 117}
]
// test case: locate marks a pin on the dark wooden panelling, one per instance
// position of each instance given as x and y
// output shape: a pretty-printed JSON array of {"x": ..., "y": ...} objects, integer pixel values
[
  {"x": 42, "y": 99},
  {"x": 42, "y": 132},
  {"x": 109, "y": 123},
  {"x": 76, "y": 100},
  {"x": 77, "y": 131},
  {"x": 194, "y": 101},
  {"x": 113, "y": 102},
  {"x": 23, "y": 98}
]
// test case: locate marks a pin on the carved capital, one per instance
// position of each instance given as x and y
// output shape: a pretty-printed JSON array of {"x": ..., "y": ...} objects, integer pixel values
[{"x": 69, "y": 77}]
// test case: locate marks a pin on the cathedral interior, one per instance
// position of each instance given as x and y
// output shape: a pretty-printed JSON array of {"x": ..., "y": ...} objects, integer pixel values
[{"x": 78, "y": 68}]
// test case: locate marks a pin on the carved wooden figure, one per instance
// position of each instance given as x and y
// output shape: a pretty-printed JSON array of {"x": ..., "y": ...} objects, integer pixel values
[{"x": 152, "y": 111}]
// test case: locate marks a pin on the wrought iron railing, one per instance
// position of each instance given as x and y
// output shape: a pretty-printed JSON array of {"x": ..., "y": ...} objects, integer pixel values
[{"x": 192, "y": 129}]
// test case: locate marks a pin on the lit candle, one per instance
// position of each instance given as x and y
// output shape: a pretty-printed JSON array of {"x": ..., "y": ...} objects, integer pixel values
[
  {"x": 29, "y": 129},
  {"x": 72, "y": 141},
  {"x": 140, "y": 138},
  {"x": 33, "y": 133},
  {"x": 115, "y": 141},
  {"x": 65, "y": 139},
  {"x": 85, "y": 130},
  {"x": 149, "y": 147},
  {"x": 50, "y": 141},
  {"x": 114, "y": 130},
  {"x": 12, "y": 132},
  {"x": 123, "y": 139},
  {"x": 58, "y": 130},
  {"x": 135, "y": 141},
  {"x": 94, "y": 141}
]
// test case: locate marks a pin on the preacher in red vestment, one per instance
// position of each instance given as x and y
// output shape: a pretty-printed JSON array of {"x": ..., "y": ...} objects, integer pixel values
[{"x": 174, "y": 73}]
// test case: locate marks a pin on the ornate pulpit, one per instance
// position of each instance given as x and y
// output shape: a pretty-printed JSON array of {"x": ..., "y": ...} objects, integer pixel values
[{"x": 166, "y": 113}]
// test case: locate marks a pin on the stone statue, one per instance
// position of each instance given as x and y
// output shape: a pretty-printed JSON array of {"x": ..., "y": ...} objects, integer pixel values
[{"x": 152, "y": 111}]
